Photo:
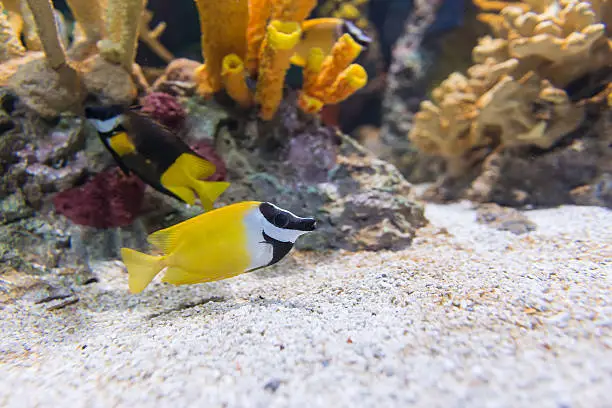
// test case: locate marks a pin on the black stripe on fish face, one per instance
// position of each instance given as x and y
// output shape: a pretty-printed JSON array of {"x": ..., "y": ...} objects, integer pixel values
[
  {"x": 284, "y": 219},
  {"x": 279, "y": 248},
  {"x": 358, "y": 34},
  {"x": 103, "y": 112}
]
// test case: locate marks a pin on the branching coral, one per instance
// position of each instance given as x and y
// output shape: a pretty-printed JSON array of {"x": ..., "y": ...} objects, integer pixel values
[
  {"x": 257, "y": 38},
  {"x": 561, "y": 40},
  {"x": 100, "y": 59},
  {"x": 10, "y": 47},
  {"x": 490, "y": 107},
  {"x": 513, "y": 96}
]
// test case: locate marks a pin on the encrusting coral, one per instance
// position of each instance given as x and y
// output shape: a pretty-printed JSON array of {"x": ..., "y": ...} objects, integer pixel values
[
  {"x": 257, "y": 38},
  {"x": 514, "y": 94}
]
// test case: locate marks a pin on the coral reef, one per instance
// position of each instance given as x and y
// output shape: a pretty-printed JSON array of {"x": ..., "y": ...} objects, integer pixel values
[
  {"x": 256, "y": 39},
  {"x": 360, "y": 202},
  {"x": 523, "y": 93}
]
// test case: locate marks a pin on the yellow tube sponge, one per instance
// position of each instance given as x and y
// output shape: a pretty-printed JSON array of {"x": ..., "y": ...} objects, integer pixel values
[
  {"x": 348, "y": 82},
  {"x": 223, "y": 25},
  {"x": 259, "y": 12},
  {"x": 342, "y": 55},
  {"x": 275, "y": 55},
  {"x": 202, "y": 79},
  {"x": 233, "y": 75}
]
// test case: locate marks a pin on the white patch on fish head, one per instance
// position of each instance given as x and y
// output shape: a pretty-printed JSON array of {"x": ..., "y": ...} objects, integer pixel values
[
  {"x": 259, "y": 250},
  {"x": 107, "y": 125},
  {"x": 277, "y": 232}
]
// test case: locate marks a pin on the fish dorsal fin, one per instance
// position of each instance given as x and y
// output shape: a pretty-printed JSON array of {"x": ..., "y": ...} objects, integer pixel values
[{"x": 167, "y": 239}]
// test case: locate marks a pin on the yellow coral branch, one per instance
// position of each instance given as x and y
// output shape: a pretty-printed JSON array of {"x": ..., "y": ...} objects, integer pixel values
[
  {"x": 348, "y": 82},
  {"x": 89, "y": 16},
  {"x": 123, "y": 23},
  {"x": 223, "y": 31},
  {"x": 44, "y": 18},
  {"x": 30, "y": 32},
  {"x": 151, "y": 37},
  {"x": 275, "y": 55},
  {"x": 233, "y": 74},
  {"x": 259, "y": 13},
  {"x": 10, "y": 46}
]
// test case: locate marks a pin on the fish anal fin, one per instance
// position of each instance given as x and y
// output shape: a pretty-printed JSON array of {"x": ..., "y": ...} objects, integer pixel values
[
  {"x": 167, "y": 239},
  {"x": 178, "y": 276}
]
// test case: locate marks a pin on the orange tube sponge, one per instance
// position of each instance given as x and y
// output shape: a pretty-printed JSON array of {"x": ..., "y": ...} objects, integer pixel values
[
  {"x": 202, "y": 79},
  {"x": 234, "y": 81},
  {"x": 316, "y": 56},
  {"x": 274, "y": 61},
  {"x": 348, "y": 82},
  {"x": 223, "y": 25},
  {"x": 343, "y": 54},
  {"x": 309, "y": 104},
  {"x": 306, "y": 102},
  {"x": 259, "y": 12}
]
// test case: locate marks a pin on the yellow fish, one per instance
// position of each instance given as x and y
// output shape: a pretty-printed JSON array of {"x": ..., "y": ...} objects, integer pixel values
[
  {"x": 216, "y": 245},
  {"x": 323, "y": 33},
  {"x": 152, "y": 152}
]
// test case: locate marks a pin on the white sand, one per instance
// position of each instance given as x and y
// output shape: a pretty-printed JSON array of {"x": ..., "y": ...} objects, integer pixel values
[{"x": 470, "y": 318}]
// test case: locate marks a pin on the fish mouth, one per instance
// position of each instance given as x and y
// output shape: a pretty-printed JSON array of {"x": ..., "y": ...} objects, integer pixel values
[{"x": 305, "y": 224}]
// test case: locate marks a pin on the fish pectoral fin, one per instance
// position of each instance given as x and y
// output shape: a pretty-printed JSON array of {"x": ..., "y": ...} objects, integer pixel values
[
  {"x": 209, "y": 191},
  {"x": 167, "y": 239},
  {"x": 178, "y": 276}
]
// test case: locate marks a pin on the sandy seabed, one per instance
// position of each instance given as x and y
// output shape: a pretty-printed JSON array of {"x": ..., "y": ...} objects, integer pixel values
[{"x": 469, "y": 316}]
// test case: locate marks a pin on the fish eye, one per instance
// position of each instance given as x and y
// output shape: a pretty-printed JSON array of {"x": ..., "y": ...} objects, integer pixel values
[{"x": 281, "y": 220}]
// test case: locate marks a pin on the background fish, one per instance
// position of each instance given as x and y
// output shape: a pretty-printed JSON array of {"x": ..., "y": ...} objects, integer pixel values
[{"x": 151, "y": 151}]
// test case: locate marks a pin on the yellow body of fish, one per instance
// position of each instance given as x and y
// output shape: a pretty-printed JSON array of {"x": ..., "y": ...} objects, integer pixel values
[
  {"x": 319, "y": 32},
  {"x": 208, "y": 247}
]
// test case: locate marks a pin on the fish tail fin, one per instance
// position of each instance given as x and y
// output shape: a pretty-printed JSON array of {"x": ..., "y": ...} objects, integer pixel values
[
  {"x": 209, "y": 191},
  {"x": 142, "y": 268},
  {"x": 184, "y": 173}
]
